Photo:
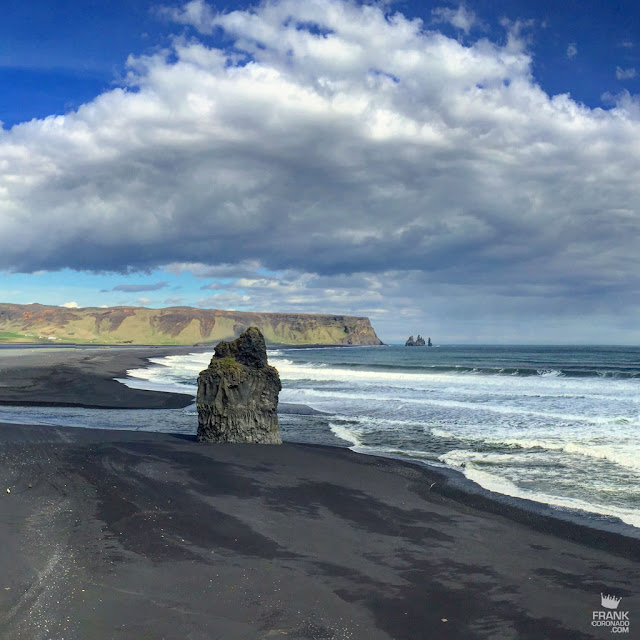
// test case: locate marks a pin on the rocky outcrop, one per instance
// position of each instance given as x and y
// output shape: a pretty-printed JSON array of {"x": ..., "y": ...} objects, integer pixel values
[
  {"x": 238, "y": 393},
  {"x": 418, "y": 342},
  {"x": 175, "y": 325}
]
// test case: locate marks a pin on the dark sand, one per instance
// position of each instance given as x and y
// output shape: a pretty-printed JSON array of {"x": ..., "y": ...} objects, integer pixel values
[
  {"x": 138, "y": 535},
  {"x": 83, "y": 377}
]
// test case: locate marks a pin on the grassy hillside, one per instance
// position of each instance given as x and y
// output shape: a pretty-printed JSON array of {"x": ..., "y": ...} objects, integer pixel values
[{"x": 174, "y": 325}]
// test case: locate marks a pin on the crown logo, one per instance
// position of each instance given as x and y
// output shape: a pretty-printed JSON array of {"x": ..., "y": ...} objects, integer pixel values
[{"x": 609, "y": 601}]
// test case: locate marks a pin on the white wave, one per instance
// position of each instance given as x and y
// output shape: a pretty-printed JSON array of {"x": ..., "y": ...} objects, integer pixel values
[
  {"x": 450, "y": 435},
  {"x": 280, "y": 362},
  {"x": 157, "y": 385},
  {"x": 512, "y": 410},
  {"x": 629, "y": 458},
  {"x": 542, "y": 386},
  {"x": 527, "y": 443},
  {"x": 463, "y": 457},
  {"x": 625, "y": 455},
  {"x": 503, "y": 409},
  {"x": 499, "y": 484},
  {"x": 173, "y": 366},
  {"x": 442, "y": 433},
  {"x": 377, "y": 421},
  {"x": 345, "y": 433},
  {"x": 168, "y": 373}
]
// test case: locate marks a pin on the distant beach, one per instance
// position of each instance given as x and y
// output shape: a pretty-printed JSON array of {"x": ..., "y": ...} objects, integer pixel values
[{"x": 121, "y": 533}]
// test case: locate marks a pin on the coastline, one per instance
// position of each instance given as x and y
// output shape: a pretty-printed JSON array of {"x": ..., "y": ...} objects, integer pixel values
[
  {"x": 85, "y": 376},
  {"x": 385, "y": 544},
  {"x": 123, "y": 534}
]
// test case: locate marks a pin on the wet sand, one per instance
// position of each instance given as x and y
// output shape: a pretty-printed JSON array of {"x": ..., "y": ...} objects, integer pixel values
[{"x": 115, "y": 534}]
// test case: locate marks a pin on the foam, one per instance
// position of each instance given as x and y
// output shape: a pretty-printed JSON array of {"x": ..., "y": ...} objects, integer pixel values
[
  {"x": 478, "y": 407},
  {"x": 522, "y": 424},
  {"x": 158, "y": 385},
  {"x": 493, "y": 482},
  {"x": 344, "y": 433}
]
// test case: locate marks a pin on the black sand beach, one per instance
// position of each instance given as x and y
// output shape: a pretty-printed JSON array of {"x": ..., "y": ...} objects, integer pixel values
[
  {"x": 116, "y": 534},
  {"x": 83, "y": 377}
]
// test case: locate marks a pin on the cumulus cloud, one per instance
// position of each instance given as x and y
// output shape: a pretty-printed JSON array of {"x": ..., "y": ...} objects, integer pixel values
[
  {"x": 572, "y": 50},
  {"x": 461, "y": 18},
  {"x": 140, "y": 287},
  {"x": 196, "y": 13},
  {"x": 625, "y": 74},
  {"x": 332, "y": 138},
  {"x": 71, "y": 305},
  {"x": 143, "y": 300}
]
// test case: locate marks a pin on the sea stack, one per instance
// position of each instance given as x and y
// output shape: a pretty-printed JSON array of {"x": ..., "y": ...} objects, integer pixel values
[{"x": 238, "y": 393}]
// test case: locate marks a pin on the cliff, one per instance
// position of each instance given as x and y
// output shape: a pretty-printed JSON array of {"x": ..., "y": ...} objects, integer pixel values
[{"x": 174, "y": 325}]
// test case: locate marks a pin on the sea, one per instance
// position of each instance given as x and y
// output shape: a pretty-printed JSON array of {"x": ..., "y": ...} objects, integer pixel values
[{"x": 558, "y": 425}]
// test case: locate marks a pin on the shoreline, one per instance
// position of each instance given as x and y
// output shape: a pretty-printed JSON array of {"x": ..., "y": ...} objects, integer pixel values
[
  {"x": 83, "y": 377},
  {"x": 75, "y": 373},
  {"x": 585, "y": 527},
  {"x": 126, "y": 533}
]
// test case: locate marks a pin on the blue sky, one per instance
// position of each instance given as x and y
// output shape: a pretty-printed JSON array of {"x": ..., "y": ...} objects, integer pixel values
[
  {"x": 54, "y": 56},
  {"x": 472, "y": 176}
]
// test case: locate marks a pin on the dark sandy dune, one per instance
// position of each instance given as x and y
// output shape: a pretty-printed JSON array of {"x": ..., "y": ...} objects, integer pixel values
[{"x": 138, "y": 535}]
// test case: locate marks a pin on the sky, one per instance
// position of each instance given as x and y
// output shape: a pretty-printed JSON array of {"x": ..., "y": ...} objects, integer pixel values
[{"x": 470, "y": 172}]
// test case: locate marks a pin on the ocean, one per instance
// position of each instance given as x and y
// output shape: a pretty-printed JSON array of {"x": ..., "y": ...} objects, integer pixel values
[{"x": 557, "y": 425}]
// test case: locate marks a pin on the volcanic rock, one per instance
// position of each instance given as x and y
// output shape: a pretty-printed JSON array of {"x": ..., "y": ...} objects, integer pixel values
[{"x": 238, "y": 393}]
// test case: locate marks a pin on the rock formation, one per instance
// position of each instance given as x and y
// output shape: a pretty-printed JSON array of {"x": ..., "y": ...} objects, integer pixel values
[
  {"x": 418, "y": 342},
  {"x": 238, "y": 393}
]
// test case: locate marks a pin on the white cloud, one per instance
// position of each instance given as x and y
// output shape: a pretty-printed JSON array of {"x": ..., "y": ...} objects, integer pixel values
[
  {"x": 625, "y": 74},
  {"x": 342, "y": 141},
  {"x": 71, "y": 305},
  {"x": 143, "y": 300},
  {"x": 572, "y": 50},
  {"x": 196, "y": 13},
  {"x": 461, "y": 18}
]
